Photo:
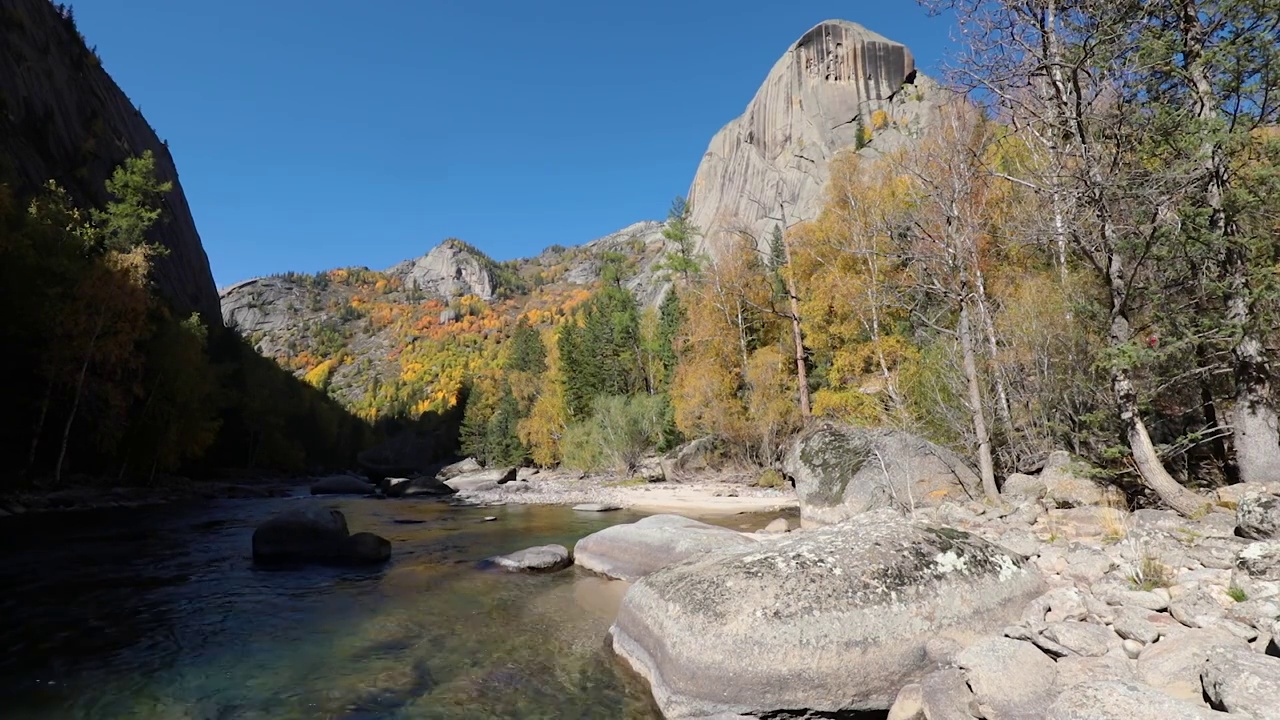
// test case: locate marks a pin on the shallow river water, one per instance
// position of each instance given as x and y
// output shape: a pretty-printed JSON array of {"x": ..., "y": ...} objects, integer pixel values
[{"x": 160, "y": 614}]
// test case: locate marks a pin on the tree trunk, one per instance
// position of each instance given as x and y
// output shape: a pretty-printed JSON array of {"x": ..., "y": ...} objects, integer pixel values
[
  {"x": 39, "y": 429},
  {"x": 797, "y": 335},
  {"x": 985, "y": 464},
  {"x": 993, "y": 347},
  {"x": 1144, "y": 453},
  {"x": 75, "y": 403}
]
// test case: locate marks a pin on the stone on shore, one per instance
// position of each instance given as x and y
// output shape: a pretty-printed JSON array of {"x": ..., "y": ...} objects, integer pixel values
[
  {"x": 596, "y": 507},
  {"x": 633, "y": 550},
  {"x": 481, "y": 479},
  {"x": 849, "y": 608},
  {"x": 841, "y": 471}
]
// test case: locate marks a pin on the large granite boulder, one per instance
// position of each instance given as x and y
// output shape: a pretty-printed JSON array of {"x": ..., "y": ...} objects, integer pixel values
[
  {"x": 823, "y": 622},
  {"x": 315, "y": 534},
  {"x": 841, "y": 472},
  {"x": 462, "y": 467},
  {"x": 633, "y": 550},
  {"x": 839, "y": 86}
]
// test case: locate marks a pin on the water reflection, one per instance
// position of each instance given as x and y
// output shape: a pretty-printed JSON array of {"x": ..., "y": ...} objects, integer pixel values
[{"x": 159, "y": 613}]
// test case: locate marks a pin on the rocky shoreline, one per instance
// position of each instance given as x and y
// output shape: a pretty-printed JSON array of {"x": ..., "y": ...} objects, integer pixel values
[
  {"x": 1054, "y": 602},
  {"x": 701, "y": 494}
]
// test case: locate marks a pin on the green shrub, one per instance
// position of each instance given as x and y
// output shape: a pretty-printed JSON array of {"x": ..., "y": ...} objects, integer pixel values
[
  {"x": 580, "y": 447},
  {"x": 771, "y": 479}
]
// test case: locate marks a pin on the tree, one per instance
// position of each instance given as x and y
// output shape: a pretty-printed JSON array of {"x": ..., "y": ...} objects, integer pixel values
[
  {"x": 679, "y": 231},
  {"x": 528, "y": 354},
  {"x": 1065, "y": 73}
]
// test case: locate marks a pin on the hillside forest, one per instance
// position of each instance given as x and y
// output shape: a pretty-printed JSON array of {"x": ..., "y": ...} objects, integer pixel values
[{"x": 107, "y": 380}]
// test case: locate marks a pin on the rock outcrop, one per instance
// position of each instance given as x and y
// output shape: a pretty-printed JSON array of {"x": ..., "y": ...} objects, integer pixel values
[
  {"x": 839, "y": 86},
  {"x": 822, "y": 622},
  {"x": 63, "y": 118},
  {"x": 841, "y": 471},
  {"x": 451, "y": 269}
]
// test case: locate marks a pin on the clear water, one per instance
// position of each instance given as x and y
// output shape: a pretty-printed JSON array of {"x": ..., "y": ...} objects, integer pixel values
[{"x": 160, "y": 614}]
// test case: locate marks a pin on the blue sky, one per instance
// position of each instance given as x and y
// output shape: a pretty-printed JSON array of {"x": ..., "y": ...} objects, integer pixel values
[{"x": 312, "y": 134}]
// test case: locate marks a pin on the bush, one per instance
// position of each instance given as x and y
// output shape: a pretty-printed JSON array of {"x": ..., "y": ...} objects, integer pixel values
[
  {"x": 771, "y": 479},
  {"x": 580, "y": 447},
  {"x": 619, "y": 433},
  {"x": 628, "y": 428}
]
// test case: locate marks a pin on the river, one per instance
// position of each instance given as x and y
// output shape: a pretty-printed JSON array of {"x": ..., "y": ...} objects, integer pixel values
[{"x": 160, "y": 614}]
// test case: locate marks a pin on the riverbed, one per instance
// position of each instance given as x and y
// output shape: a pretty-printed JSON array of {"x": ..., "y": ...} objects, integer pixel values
[{"x": 159, "y": 613}]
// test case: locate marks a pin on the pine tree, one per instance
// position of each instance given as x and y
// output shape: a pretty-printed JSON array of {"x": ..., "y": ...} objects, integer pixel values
[
  {"x": 528, "y": 354},
  {"x": 680, "y": 231},
  {"x": 473, "y": 437},
  {"x": 778, "y": 264},
  {"x": 502, "y": 440}
]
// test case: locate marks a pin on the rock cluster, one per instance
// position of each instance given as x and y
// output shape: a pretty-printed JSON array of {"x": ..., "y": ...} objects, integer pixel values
[{"x": 1044, "y": 606}]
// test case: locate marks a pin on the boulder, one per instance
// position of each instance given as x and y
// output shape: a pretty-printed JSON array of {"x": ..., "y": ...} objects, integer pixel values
[
  {"x": 1067, "y": 482},
  {"x": 597, "y": 507},
  {"x": 342, "y": 485},
  {"x": 481, "y": 479},
  {"x": 843, "y": 614},
  {"x": 1081, "y": 638},
  {"x": 633, "y": 550},
  {"x": 1011, "y": 679},
  {"x": 315, "y": 534},
  {"x": 462, "y": 467},
  {"x": 944, "y": 695},
  {"x": 1173, "y": 664},
  {"x": 1118, "y": 700},
  {"x": 691, "y": 457},
  {"x": 543, "y": 558},
  {"x": 1243, "y": 682},
  {"x": 422, "y": 485},
  {"x": 1260, "y": 560},
  {"x": 777, "y": 526},
  {"x": 365, "y": 548},
  {"x": 1258, "y": 517},
  {"x": 1018, "y": 485},
  {"x": 841, "y": 471}
]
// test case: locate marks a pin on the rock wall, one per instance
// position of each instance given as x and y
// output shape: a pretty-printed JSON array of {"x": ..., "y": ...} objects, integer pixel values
[
  {"x": 62, "y": 117},
  {"x": 449, "y": 270},
  {"x": 817, "y": 100}
]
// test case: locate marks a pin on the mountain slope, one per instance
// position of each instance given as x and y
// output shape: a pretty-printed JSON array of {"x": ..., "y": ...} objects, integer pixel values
[
  {"x": 62, "y": 117},
  {"x": 380, "y": 341}
]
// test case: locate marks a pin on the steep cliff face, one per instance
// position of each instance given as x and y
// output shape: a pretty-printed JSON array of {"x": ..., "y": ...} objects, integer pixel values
[
  {"x": 840, "y": 86},
  {"x": 449, "y": 270},
  {"x": 63, "y": 118}
]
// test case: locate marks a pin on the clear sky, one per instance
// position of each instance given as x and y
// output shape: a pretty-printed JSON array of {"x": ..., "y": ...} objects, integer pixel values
[{"x": 312, "y": 134}]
